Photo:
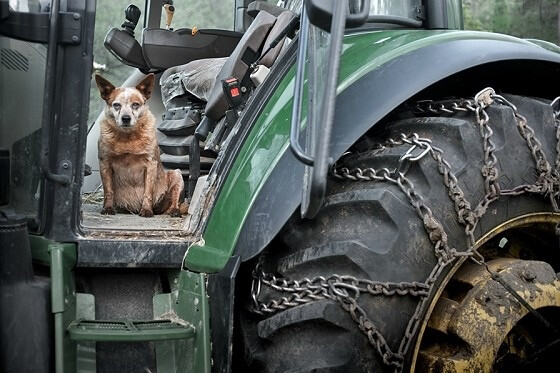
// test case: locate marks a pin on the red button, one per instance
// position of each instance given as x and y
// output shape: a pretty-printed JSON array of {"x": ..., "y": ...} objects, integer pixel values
[{"x": 234, "y": 92}]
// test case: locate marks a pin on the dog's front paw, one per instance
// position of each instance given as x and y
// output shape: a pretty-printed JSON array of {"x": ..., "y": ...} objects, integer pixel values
[
  {"x": 146, "y": 213},
  {"x": 175, "y": 213},
  {"x": 108, "y": 211}
]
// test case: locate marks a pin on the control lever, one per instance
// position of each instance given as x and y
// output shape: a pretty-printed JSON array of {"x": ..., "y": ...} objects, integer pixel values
[
  {"x": 132, "y": 15},
  {"x": 169, "y": 11}
]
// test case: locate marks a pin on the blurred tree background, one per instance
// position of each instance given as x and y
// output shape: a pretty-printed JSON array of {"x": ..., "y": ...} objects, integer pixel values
[
  {"x": 536, "y": 19},
  {"x": 110, "y": 13}
]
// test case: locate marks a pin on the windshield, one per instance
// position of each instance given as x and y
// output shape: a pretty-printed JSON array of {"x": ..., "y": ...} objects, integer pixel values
[
  {"x": 399, "y": 8},
  {"x": 201, "y": 14}
]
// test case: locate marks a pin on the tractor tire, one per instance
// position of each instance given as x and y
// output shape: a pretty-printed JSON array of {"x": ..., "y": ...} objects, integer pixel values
[{"x": 415, "y": 244}]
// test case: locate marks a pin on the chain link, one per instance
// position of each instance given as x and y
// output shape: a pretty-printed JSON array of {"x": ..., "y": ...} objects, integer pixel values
[{"x": 346, "y": 290}]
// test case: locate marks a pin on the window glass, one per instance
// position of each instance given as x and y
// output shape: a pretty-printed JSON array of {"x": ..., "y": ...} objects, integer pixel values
[
  {"x": 22, "y": 80},
  {"x": 202, "y": 14},
  {"x": 293, "y": 5},
  {"x": 400, "y": 8},
  {"x": 109, "y": 14},
  {"x": 521, "y": 18}
]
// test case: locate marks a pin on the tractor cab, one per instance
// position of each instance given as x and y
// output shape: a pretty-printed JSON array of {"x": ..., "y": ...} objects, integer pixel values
[
  {"x": 204, "y": 78},
  {"x": 370, "y": 187}
]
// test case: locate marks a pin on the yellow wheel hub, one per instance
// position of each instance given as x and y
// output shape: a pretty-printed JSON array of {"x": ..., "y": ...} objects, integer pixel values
[{"x": 477, "y": 324}]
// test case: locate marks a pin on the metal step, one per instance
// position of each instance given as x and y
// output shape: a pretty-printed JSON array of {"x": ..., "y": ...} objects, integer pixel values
[{"x": 128, "y": 330}]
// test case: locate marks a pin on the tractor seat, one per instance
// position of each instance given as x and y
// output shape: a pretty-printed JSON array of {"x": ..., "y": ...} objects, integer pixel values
[
  {"x": 194, "y": 98},
  {"x": 201, "y": 78}
]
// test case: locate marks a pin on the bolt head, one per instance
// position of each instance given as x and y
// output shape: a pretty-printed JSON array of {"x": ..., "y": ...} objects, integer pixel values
[{"x": 528, "y": 274}]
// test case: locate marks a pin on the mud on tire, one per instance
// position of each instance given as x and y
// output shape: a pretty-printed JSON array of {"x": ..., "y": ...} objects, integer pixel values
[{"x": 401, "y": 240}]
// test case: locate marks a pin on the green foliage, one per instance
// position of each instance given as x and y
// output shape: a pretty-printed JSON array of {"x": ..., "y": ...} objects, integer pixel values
[
  {"x": 470, "y": 21},
  {"x": 502, "y": 18},
  {"x": 536, "y": 19}
]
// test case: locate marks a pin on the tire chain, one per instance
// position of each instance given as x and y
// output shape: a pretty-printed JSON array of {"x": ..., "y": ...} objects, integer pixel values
[{"x": 346, "y": 289}]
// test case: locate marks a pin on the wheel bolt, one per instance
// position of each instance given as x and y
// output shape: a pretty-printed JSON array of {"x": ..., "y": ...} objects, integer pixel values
[{"x": 528, "y": 275}]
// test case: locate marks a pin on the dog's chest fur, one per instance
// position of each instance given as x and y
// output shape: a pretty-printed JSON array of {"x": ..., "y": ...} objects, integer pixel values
[
  {"x": 128, "y": 154},
  {"x": 131, "y": 171}
]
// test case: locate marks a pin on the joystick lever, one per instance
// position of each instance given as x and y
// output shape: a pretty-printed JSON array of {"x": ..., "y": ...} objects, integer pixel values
[{"x": 132, "y": 15}]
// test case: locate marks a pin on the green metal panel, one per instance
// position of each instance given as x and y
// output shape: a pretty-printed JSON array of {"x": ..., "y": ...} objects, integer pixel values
[
  {"x": 86, "y": 358},
  {"x": 40, "y": 249},
  {"x": 63, "y": 259},
  {"x": 269, "y": 138},
  {"x": 546, "y": 45},
  {"x": 129, "y": 330},
  {"x": 186, "y": 302}
]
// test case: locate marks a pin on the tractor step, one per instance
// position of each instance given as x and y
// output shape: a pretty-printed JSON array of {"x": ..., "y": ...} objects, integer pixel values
[{"x": 128, "y": 331}]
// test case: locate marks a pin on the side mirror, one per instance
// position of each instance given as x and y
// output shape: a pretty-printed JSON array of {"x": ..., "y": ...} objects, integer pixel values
[{"x": 320, "y": 13}]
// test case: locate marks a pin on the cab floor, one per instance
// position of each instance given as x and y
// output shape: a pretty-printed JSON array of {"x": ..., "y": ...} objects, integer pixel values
[{"x": 91, "y": 218}]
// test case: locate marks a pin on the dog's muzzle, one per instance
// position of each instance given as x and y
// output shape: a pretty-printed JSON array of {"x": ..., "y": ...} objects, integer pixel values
[{"x": 126, "y": 119}]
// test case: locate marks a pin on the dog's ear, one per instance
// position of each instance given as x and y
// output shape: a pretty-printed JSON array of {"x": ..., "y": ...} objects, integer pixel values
[
  {"x": 105, "y": 87},
  {"x": 146, "y": 85}
]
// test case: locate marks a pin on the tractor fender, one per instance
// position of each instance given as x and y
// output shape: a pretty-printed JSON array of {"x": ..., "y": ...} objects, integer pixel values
[{"x": 460, "y": 66}]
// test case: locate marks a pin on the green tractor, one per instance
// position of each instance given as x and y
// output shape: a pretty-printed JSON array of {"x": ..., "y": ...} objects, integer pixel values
[{"x": 371, "y": 188}]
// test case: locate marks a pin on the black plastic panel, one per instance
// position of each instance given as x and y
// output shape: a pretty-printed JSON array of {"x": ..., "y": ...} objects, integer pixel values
[
  {"x": 125, "y": 48},
  {"x": 179, "y": 145},
  {"x": 26, "y": 334},
  {"x": 166, "y": 48},
  {"x": 4, "y": 176},
  {"x": 121, "y": 253}
]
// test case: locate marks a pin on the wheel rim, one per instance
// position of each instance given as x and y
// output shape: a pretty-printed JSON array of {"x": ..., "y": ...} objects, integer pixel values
[{"x": 476, "y": 324}]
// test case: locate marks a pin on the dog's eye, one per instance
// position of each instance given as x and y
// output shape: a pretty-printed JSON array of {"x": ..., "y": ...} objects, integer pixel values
[
  {"x": 135, "y": 105},
  {"x": 116, "y": 106}
]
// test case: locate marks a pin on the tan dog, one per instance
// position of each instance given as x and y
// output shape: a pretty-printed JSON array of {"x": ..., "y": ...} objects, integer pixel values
[{"x": 129, "y": 156}]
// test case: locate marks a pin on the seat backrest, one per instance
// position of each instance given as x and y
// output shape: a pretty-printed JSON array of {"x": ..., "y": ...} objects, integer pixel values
[
  {"x": 238, "y": 68},
  {"x": 199, "y": 77},
  {"x": 269, "y": 56},
  {"x": 237, "y": 65}
]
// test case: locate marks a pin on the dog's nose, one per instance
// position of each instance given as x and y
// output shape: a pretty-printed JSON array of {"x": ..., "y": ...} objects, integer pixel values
[{"x": 126, "y": 119}]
